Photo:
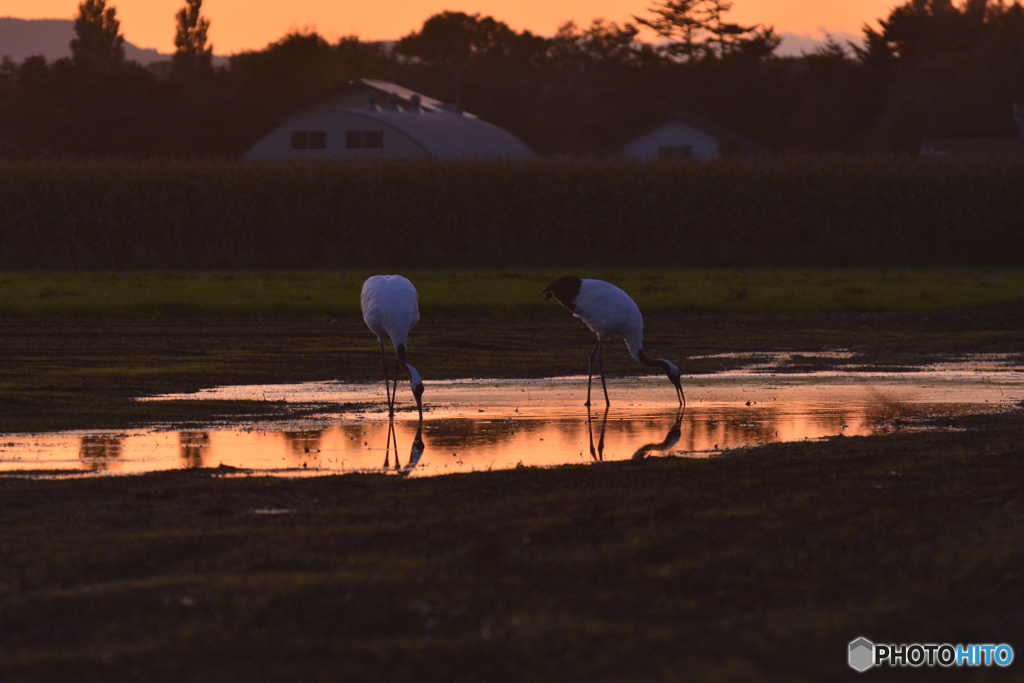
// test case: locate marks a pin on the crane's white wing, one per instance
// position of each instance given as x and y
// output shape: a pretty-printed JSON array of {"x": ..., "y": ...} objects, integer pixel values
[
  {"x": 610, "y": 312},
  {"x": 391, "y": 306}
]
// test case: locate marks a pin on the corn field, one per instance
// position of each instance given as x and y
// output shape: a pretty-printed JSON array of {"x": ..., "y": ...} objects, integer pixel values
[{"x": 778, "y": 212}]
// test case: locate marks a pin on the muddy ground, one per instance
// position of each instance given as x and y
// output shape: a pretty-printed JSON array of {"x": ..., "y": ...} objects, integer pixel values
[
  {"x": 757, "y": 565},
  {"x": 761, "y": 564},
  {"x": 84, "y": 374}
]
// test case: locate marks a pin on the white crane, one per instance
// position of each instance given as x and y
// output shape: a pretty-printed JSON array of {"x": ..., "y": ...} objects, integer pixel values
[
  {"x": 609, "y": 312},
  {"x": 391, "y": 307}
]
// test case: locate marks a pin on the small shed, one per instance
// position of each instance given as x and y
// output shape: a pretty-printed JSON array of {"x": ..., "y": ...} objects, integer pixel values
[
  {"x": 688, "y": 136},
  {"x": 381, "y": 120}
]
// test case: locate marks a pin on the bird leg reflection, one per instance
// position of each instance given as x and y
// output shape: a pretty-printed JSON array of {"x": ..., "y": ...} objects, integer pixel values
[
  {"x": 387, "y": 449},
  {"x": 669, "y": 442},
  {"x": 414, "y": 455},
  {"x": 597, "y": 454}
]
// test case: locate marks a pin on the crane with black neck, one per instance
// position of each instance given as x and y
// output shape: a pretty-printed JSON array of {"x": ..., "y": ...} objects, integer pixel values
[{"x": 609, "y": 312}]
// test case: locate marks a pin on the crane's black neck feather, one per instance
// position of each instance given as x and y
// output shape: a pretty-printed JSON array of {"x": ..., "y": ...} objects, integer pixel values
[
  {"x": 400, "y": 350},
  {"x": 565, "y": 289},
  {"x": 653, "y": 362}
]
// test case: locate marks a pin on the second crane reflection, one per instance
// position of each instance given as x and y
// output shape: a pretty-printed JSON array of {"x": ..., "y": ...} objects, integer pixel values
[
  {"x": 667, "y": 444},
  {"x": 414, "y": 455}
]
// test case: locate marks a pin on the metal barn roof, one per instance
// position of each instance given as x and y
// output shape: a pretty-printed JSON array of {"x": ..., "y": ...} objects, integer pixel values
[
  {"x": 353, "y": 95},
  {"x": 440, "y": 130},
  {"x": 446, "y": 135}
]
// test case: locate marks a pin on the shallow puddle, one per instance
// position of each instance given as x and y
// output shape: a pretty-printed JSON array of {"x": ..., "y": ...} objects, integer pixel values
[{"x": 482, "y": 424}]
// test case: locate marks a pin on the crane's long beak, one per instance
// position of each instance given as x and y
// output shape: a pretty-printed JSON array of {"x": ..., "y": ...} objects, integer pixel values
[
  {"x": 416, "y": 384},
  {"x": 679, "y": 391}
]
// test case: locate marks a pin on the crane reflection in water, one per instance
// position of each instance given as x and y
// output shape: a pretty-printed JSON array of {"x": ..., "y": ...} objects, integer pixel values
[
  {"x": 414, "y": 455},
  {"x": 663, "y": 446},
  {"x": 666, "y": 444},
  {"x": 520, "y": 427},
  {"x": 597, "y": 454}
]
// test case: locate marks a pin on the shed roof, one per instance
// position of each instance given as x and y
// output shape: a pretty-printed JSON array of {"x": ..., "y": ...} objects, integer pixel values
[
  {"x": 442, "y": 130},
  {"x": 729, "y": 140},
  {"x": 446, "y": 135},
  {"x": 353, "y": 95}
]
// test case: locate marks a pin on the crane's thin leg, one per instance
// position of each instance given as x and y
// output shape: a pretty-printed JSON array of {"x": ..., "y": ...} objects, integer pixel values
[
  {"x": 590, "y": 370},
  {"x": 387, "y": 387},
  {"x": 600, "y": 365},
  {"x": 394, "y": 394}
]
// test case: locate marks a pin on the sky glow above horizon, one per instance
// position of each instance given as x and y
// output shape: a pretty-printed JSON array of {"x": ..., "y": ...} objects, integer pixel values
[{"x": 237, "y": 25}]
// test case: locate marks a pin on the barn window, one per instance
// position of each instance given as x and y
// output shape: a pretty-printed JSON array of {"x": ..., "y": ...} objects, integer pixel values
[
  {"x": 675, "y": 151},
  {"x": 318, "y": 139},
  {"x": 300, "y": 139},
  {"x": 364, "y": 139}
]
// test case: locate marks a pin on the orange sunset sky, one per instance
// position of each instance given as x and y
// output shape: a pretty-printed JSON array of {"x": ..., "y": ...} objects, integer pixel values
[{"x": 251, "y": 24}]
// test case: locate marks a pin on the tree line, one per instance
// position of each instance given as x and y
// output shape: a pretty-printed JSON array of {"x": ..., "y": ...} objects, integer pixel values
[{"x": 927, "y": 68}]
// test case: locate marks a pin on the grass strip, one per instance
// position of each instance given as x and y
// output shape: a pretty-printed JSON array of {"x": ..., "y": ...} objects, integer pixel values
[{"x": 500, "y": 293}]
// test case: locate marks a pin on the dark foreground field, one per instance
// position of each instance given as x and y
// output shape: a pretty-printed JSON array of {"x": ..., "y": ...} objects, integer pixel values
[{"x": 757, "y": 565}]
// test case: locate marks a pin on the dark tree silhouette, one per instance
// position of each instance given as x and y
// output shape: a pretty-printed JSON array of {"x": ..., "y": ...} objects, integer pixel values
[
  {"x": 949, "y": 69},
  {"x": 192, "y": 54},
  {"x": 97, "y": 44},
  {"x": 678, "y": 21},
  {"x": 459, "y": 44},
  {"x": 602, "y": 41},
  {"x": 927, "y": 68},
  {"x": 922, "y": 29},
  {"x": 697, "y": 29},
  {"x": 451, "y": 39}
]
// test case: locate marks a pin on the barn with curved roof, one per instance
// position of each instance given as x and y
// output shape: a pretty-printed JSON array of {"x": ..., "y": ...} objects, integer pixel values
[{"x": 405, "y": 126}]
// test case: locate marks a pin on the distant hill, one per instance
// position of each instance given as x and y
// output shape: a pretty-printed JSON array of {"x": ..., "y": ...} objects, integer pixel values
[
  {"x": 21, "y": 38},
  {"x": 794, "y": 44}
]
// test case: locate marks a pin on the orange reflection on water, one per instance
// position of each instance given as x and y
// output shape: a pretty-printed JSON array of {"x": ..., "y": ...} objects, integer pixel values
[
  {"x": 472, "y": 426},
  {"x": 441, "y": 445},
  {"x": 100, "y": 453}
]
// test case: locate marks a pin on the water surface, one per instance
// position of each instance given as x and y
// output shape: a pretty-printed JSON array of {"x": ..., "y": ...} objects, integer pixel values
[{"x": 486, "y": 424}]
